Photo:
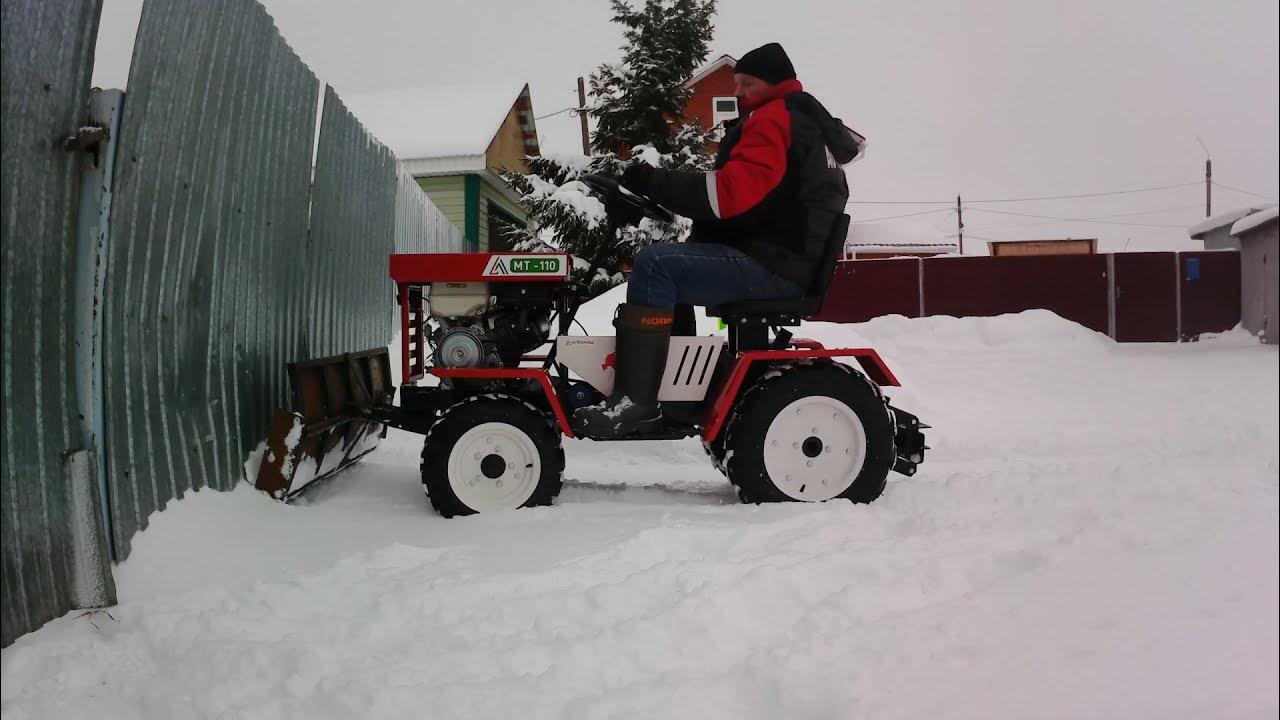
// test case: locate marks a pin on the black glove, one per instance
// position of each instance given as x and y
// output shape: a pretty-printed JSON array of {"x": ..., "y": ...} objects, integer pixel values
[
  {"x": 638, "y": 178},
  {"x": 621, "y": 211}
]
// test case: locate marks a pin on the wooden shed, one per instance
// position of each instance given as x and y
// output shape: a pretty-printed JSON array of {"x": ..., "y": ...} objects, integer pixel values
[
  {"x": 455, "y": 141},
  {"x": 1062, "y": 246}
]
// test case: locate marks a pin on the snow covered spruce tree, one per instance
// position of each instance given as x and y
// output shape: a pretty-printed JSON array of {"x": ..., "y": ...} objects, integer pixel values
[{"x": 633, "y": 103}]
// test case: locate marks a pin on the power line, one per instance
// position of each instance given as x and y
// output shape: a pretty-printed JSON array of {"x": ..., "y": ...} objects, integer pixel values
[
  {"x": 558, "y": 112},
  {"x": 1246, "y": 192},
  {"x": 1090, "y": 195},
  {"x": 907, "y": 215},
  {"x": 1089, "y": 219},
  {"x": 1028, "y": 199},
  {"x": 1068, "y": 219}
]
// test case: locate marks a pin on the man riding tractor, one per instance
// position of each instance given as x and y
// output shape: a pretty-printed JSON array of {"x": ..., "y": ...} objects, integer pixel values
[{"x": 761, "y": 222}]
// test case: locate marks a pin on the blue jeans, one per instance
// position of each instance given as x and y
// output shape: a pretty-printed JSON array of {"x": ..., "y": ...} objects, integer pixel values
[{"x": 668, "y": 274}]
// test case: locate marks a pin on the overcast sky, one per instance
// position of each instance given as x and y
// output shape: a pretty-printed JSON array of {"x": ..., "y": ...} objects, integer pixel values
[{"x": 988, "y": 99}]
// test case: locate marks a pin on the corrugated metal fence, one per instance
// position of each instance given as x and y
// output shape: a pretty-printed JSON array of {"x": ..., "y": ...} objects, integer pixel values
[
  {"x": 352, "y": 233},
  {"x": 208, "y": 245},
  {"x": 223, "y": 263},
  {"x": 46, "y": 51},
  {"x": 420, "y": 227}
]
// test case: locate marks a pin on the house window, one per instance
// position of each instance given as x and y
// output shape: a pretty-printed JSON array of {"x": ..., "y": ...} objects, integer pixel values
[{"x": 722, "y": 109}]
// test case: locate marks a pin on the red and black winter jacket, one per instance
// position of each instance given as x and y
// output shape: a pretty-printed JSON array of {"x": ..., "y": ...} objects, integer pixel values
[{"x": 777, "y": 187}]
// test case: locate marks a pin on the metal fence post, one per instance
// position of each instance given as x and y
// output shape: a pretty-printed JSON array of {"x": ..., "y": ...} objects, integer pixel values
[
  {"x": 920, "y": 284},
  {"x": 92, "y": 536},
  {"x": 1177, "y": 292},
  {"x": 1111, "y": 295}
]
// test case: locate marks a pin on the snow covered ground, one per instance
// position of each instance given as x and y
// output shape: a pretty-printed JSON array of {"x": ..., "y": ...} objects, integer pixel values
[{"x": 1093, "y": 535}]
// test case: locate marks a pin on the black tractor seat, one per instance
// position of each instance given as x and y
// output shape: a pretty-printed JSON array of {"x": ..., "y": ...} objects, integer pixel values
[
  {"x": 749, "y": 320},
  {"x": 783, "y": 306}
]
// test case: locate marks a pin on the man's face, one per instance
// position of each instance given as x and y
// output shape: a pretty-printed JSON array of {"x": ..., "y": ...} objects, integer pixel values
[{"x": 749, "y": 89}]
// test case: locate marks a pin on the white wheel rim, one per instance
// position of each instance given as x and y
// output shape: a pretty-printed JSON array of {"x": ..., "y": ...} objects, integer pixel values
[
  {"x": 494, "y": 466},
  {"x": 814, "y": 423}
]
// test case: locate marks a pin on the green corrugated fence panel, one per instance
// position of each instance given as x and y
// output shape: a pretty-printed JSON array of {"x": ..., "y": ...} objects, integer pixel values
[{"x": 46, "y": 60}]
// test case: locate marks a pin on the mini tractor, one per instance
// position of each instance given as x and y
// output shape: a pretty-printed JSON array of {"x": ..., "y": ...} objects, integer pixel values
[{"x": 783, "y": 418}]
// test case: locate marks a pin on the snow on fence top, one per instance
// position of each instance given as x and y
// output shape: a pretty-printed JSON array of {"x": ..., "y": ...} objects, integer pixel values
[{"x": 1259, "y": 218}]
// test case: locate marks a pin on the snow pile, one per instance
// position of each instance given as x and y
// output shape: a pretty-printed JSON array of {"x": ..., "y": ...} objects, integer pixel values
[{"x": 1094, "y": 534}]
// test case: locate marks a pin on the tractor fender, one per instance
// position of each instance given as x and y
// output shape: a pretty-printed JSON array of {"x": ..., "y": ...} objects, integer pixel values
[
  {"x": 538, "y": 374},
  {"x": 718, "y": 410}
]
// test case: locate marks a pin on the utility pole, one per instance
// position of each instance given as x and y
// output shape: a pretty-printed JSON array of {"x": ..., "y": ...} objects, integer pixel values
[
  {"x": 1208, "y": 179},
  {"x": 1208, "y": 187},
  {"x": 960, "y": 223},
  {"x": 582, "y": 116}
]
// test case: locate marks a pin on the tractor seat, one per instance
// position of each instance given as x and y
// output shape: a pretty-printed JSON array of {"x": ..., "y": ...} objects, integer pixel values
[
  {"x": 782, "y": 308},
  {"x": 789, "y": 311}
]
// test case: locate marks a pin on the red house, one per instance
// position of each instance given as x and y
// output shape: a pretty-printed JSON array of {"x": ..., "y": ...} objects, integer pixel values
[{"x": 713, "y": 101}]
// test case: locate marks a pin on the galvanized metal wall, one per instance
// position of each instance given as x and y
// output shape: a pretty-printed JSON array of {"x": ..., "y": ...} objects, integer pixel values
[
  {"x": 351, "y": 298},
  {"x": 420, "y": 225},
  {"x": 230, "y": 258},
  {"x": 223, "y": 262},
  {"x": 208, "y": 246},
  {"x": 46, "y": 58}
]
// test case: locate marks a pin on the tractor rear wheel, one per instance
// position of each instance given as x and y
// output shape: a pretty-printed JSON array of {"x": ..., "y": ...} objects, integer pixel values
[
  {"x": 488, "y": 453},
  {"x": 715, "y": 450},
  {"x": 810, "y": 433}
]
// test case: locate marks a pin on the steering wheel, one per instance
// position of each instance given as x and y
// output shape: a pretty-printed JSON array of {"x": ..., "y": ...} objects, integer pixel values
[{"x": 607, "y": 188}]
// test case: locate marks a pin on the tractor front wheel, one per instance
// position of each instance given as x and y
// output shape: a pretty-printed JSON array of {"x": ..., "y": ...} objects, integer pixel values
[
  {"x": 488, "y": 453},
  {"x": 810, "y": 433}
]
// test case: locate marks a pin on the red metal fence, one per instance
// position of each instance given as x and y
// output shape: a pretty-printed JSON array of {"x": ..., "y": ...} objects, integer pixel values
[
  {"x": 1209, "y": 287},
  {"x": 1145, "y": 292},
  {"x": 1133, "y": 297}
]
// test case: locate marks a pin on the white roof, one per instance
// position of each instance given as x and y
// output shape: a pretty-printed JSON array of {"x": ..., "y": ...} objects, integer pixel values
[
  {"x": 440, "y": 122},
  {"x": 1223, "y": 219},
  {"x": 709, "y": 68},
  {"x": 905, "y": 237},
  {"x": 1259, "y": 218},
  {"x": 1042, "y": 240}
]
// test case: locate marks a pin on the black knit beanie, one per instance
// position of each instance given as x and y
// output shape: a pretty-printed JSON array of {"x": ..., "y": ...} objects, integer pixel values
[{"x": 767, "y": 62}]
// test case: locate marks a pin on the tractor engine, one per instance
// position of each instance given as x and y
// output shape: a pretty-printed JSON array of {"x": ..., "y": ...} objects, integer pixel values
[{"x": 476, "y": 329}]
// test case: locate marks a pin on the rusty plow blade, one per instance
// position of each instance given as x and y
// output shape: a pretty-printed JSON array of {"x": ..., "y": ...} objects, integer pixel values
[{"x": 330, "y": 427}]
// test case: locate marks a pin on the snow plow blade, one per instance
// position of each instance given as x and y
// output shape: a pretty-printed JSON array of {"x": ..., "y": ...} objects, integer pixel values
[{"x": 331, "y": 428}]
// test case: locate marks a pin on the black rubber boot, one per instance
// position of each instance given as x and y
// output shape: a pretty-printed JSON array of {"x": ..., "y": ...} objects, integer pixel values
[
  {"x": 644, "y": 334},
  {"x": 684, "y": 322}
]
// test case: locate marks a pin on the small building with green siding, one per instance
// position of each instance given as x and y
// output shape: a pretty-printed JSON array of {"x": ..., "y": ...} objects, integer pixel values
[{"x": 455, "y": 141}]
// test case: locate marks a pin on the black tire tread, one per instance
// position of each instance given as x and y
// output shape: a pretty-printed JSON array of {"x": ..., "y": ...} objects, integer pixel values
[
  {"x": 746, "y": 472},
  {"x": 520, "y": 413}
]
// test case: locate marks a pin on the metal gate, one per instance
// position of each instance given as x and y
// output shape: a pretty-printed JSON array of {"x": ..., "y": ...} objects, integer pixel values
[{"x": 1144, "y": 284}]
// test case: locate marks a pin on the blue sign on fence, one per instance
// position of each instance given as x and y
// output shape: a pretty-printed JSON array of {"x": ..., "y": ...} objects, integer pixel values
[{"x": 1193, "y": 268}]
